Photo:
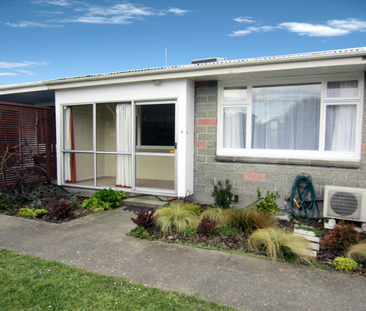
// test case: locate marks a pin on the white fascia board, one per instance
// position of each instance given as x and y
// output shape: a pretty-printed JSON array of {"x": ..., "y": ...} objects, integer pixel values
[{"x": 23, "y": 89}]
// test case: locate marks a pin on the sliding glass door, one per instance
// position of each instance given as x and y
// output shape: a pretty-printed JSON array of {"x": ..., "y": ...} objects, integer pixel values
[
  {"x": 120, "y": 145},
  {"x": 155, "y": 145}
]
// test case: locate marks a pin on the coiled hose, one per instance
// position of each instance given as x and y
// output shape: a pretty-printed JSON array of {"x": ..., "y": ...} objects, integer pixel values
[{"x": 303, "y": 203}]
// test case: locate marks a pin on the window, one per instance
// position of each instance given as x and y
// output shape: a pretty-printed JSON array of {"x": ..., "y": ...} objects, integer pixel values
[{"x": 314, "y": 120}]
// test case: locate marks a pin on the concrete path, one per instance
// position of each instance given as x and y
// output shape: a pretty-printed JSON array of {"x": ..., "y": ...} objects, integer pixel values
[{"x": 99, "y": 243}]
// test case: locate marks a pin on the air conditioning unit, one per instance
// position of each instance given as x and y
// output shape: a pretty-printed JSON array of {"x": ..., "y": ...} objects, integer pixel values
[{"x": 345, "y": 203}]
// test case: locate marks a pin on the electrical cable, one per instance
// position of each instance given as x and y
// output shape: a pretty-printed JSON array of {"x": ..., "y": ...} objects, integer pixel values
[{"x": 303, "y": 203}]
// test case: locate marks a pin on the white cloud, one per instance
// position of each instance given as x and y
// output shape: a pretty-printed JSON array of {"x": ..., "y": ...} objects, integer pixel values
[
  {"x": 177, "y": 11},
  {"x": 83, "y": 12},
  {"x": 28, "y": 73},
  {"x": 22, "y": 64},
  {"x": 26, "y": 24},
  {"x": 313, "y": 30},
  {"x": 329, "y": 29},
  {"x": 239, "y": 33},
  {"x": 64, "y": 3},
  {"x": 8, "y": 74},
  {"x": 351, "y": 24},
  {"x": 245, "y": 19}
]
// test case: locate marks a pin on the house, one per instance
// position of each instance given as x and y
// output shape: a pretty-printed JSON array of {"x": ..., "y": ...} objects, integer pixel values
[{"x": 176, "y": 131}]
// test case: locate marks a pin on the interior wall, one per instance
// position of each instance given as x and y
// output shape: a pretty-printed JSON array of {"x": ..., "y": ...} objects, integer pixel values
[{"x": 155, "y": 167}]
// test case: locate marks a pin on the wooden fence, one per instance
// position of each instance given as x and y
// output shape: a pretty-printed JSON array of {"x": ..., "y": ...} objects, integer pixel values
[{"x": 27, "y": 144}]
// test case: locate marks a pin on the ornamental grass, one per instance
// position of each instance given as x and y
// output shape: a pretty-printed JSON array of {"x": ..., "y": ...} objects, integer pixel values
[
  {"x": 249, "y": 219},
  {"x": 217, "y": 214},
  {"x": 176, "y": 218},
  {"x": 280, "y": 244},
  {"x": 357, "y": 252}
]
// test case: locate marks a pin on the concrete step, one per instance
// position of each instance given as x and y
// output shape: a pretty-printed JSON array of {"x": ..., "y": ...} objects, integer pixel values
[{"x": 145, "y": 201}]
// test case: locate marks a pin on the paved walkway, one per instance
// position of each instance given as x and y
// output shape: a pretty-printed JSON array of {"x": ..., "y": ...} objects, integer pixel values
[{"x": 99, "y": 243}]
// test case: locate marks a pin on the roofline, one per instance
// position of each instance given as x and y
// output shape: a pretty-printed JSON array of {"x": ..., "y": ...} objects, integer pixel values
[{"x": 304, "y": 57}]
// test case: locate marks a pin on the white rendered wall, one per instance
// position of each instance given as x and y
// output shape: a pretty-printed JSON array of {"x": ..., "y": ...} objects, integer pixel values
[{"x": 181, "y": 91}]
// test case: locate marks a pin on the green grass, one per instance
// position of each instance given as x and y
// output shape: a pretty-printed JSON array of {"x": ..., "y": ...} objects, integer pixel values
[{"x": 31, "y": 283}]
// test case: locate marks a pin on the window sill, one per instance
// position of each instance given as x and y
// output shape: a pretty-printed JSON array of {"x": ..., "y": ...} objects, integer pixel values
[{"x": 280, "y": 161}]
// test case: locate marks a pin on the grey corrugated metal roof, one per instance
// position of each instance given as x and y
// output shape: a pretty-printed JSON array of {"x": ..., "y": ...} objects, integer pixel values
[
  {"x": 244, "y": 60},
  {"x": 192, "y": 66}
]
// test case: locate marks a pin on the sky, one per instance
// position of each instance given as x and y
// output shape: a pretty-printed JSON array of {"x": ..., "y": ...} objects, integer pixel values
[{"x": 50, "y": 39}]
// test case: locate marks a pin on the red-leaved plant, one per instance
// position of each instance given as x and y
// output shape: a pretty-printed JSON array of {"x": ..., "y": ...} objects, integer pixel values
[{"x": 145, "y": 217}]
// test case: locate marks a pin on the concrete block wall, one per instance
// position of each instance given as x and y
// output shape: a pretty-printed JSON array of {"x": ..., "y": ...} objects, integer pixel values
[{"x": 253, "y": 173}]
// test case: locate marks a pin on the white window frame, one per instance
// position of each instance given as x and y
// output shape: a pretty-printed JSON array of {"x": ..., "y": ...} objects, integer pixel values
[{"x": 319, "y": 154}]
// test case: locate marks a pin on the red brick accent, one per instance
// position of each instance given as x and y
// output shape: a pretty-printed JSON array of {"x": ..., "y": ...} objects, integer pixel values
[
  {"x": 212, "y": 121},
  {"x": 200, "y": 144},
  {"x": 201, "y": 84},
  {"x": 254, "y": 176},
  {"x": 363, "y": 148}
]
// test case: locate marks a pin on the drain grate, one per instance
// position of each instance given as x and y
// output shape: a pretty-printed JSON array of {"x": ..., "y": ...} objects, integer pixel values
[{"x": 135, "y": 208}]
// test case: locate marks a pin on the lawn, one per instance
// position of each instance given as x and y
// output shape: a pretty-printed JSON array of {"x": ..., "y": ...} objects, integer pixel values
[{"x": 32, "y": 283}]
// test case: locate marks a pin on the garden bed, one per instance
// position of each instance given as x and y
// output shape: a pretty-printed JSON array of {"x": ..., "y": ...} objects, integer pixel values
[
  {"x": 70, "y": 208},
  {"x": 229, "y": 238}
]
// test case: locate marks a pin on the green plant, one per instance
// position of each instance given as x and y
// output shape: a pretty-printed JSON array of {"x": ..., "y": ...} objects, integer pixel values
[
  {"x": 222, "y": 194},
  {"x": 341, "y": 237},
  {"x": 268, "y": 204},
  {"x": 191, "y": 231},
  {"x": 39, "y": 212},
  {"x": 4, "y": 201},
  {"x": 357, "y": 252},
  {"x": 344, "y": 264},
  {"x": 26, "y": 211},
  {"x": 105, "y": 199},
  {"x": 176, "y": 218},
  {"x": 249, "y": 219},
  {"x": 227, "y": 229},
  {"x": 280, "y": 244},
  {"x": 139, "y": 232},
  {"x": 195, "y": 208},
  {"x": 217, "y": 214}
]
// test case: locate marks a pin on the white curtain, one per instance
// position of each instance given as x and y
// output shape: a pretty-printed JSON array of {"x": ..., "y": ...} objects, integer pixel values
[
  {"x": 340, "y": 128},
  {"x": 234, "y": 127},
  {"x": 342, "y": 89},
  {"x": 68, "y": 134},
  {"x": 123, "y": 143},
  {"x": 286, "y": 117}
]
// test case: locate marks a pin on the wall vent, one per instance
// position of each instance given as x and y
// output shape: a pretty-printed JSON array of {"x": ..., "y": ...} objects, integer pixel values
[{"x": 208, "y": 60}]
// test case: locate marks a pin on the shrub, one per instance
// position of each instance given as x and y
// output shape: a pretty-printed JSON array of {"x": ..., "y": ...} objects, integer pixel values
[
  {"x": 280, "y": 244},
  {"x": 26, "y": 211},
  {"x": 105, "y": 199},
  {"x": 268, "y": 205},
  {"x": 357, "y": 252},
  {"x": 344, "y": 264},
  {"x": 217, "y": 214},
  {"x": 39, "y": 212},
  {"x": 61, "y": 210},
  {"x": 227, "y": 229},
  {"x": 249, "y": 219},
  {"x": 139, "y": 232},
  {"x": 145, "y": 218},
  {"x": 222, "y": 195},
  {"x": 176, "y": 218},
  {"x": 207, "y": 227},
  {"x": 4, "y": 201},
  {"x": 340, "y": 238}
]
